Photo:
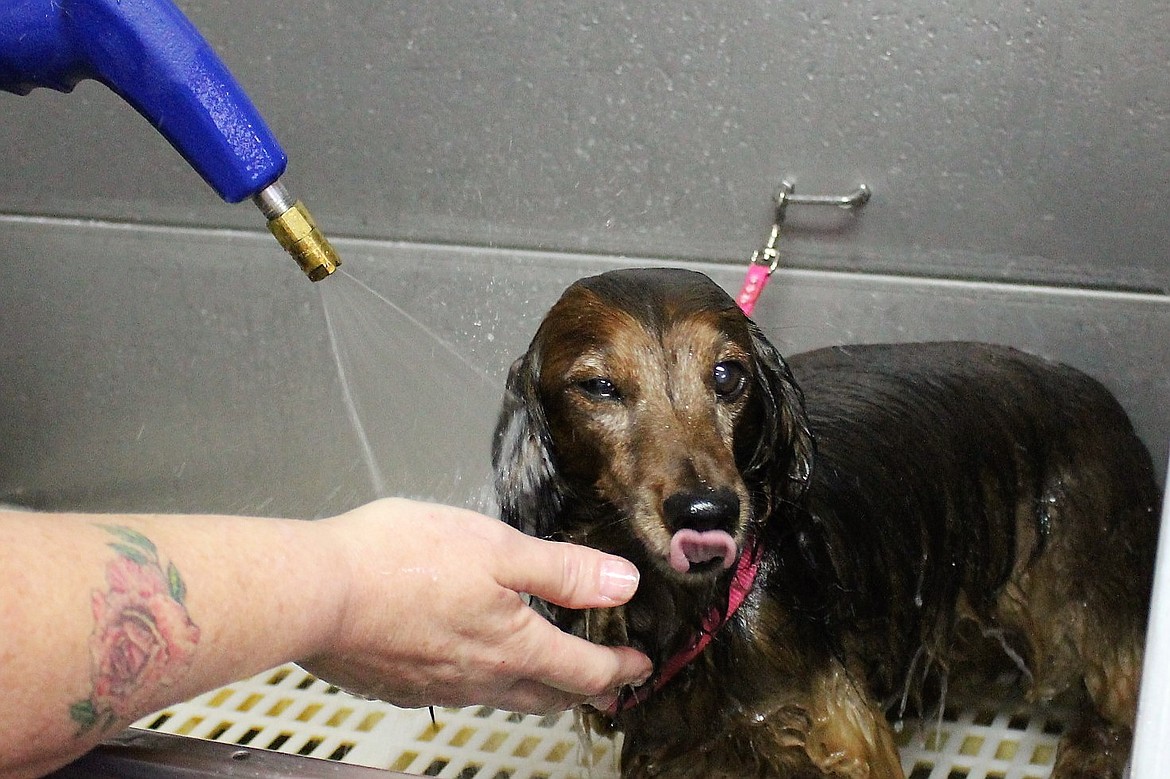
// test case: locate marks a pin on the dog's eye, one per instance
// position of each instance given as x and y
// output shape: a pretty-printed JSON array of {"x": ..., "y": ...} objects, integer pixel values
[
  {"x": 730, "y": 380},
  {"x": 599, "y": 389}
]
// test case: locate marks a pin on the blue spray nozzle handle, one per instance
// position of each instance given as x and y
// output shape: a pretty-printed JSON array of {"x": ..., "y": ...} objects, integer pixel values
[{"x": 152, "y": 56}]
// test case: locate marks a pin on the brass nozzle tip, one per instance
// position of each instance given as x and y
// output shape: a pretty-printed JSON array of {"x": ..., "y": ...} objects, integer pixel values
[{"x": 296, "y": 231}]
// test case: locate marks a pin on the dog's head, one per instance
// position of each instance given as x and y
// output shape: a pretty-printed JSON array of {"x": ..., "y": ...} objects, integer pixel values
[{"x": 652, "y": 419}]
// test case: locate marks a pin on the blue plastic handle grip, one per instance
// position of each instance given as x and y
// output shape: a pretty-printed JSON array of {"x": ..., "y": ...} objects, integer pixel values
[{"x": 151, "y": 55}]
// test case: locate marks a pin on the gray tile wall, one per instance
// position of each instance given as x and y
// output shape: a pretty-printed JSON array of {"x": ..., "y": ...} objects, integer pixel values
[{"x": 473, "y": 158}]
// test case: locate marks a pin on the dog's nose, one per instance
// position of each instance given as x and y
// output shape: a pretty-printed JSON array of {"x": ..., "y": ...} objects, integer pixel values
[{"x": 706, "y": 509}]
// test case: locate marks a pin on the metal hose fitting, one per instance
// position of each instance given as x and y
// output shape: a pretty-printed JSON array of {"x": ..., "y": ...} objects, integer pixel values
[{"x": 293, "y": 227}]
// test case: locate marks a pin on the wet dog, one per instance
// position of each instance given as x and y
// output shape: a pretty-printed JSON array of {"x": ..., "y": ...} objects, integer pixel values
[{"x": 824, "y": 539}]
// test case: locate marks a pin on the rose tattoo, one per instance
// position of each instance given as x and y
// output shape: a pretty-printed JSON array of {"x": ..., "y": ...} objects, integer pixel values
[{"x": 142, "y": 636}]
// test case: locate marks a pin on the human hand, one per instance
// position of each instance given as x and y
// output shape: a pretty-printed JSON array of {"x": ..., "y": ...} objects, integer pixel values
[{"x": 434, "y": 614}]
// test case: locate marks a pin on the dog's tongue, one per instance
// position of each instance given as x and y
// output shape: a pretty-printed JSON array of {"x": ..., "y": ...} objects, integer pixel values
[{"x": 689, "y": 547}]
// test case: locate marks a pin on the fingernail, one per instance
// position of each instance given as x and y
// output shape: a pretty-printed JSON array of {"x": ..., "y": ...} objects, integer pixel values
[{"x": 619, "y": 580}]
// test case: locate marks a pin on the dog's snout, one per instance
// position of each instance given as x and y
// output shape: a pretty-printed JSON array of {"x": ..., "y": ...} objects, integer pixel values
[{"x": 707, "y": 509}]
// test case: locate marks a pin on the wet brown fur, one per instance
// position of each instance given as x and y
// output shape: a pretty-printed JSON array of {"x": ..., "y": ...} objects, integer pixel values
[{"x": 914, "y": 505}]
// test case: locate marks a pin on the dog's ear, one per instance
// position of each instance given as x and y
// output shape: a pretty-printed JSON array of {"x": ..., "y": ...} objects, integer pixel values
[
  {"x": 785, "y": 445},
  {"x": 528, "y": 488}
]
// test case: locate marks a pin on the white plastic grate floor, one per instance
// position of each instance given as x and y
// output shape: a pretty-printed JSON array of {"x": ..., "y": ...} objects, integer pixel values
[{"x": 288, "y": 710}]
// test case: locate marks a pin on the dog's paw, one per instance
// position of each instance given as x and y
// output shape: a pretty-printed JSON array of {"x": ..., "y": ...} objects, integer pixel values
[
  {"x": 849, "y": 737},
  {"x": 1093, "y": 750}
]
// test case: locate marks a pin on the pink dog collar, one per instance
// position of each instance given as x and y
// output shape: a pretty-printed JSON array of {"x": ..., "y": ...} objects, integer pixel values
[{"x": 741, "y": 585}]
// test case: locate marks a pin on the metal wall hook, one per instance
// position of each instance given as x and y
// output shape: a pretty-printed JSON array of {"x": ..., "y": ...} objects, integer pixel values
[
  {"x": 768, "y": 256},
  {"x": 787, "y": 195}
]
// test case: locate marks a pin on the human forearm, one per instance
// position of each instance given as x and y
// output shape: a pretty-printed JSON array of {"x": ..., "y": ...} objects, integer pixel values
[
  {"x": 104, "y": 619},
  {"x": 410, "y": 602}
]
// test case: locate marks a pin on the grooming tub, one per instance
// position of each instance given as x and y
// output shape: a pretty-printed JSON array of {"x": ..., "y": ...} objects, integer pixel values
[
  {"x": 470, "y": 160},
  {"x": 288, "y": 712}
]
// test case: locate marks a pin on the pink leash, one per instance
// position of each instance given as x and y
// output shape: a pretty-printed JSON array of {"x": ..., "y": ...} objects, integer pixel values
[
  {"x": 764, "y": 260},
  {"x": 753, "y": 284}
]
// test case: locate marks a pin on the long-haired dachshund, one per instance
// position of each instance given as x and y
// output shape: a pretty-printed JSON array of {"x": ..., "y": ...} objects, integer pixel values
[{"x": 818, "y": 543}]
